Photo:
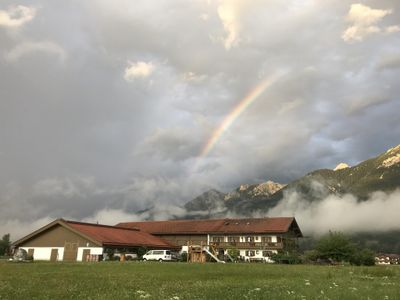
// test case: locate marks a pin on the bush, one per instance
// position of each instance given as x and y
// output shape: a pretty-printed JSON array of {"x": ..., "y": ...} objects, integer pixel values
[
  {"x": 363, "y": 257},
  {"x": 29, "y": 258},
  {"x": 335, "y": 246},
  {"x": 109, "y": 254},
  {"x": 310, "y": 256},
  {"x": 141, "y": 251},
  {"x": 5, "y": 244},
  {"x": 287, "y": 258},
  {"x": 183, "y": 257},
  {"x": 234, "y": 253}
]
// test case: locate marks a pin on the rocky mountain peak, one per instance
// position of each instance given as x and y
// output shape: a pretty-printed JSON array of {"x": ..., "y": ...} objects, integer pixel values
[
  {"x": 341, "y": 166},
  {"x": 243, "y": 187},
  {"x": 390, "y": 158},
  {"x": 266, "y": 188},
  {"x": 395, "y": 159},
  {"x": 209, "y": 200},
  {"x": 393, "y": 150}
]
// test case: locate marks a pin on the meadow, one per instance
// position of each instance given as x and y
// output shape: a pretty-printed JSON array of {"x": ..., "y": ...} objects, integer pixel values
[{"x": 178, "y": 281}]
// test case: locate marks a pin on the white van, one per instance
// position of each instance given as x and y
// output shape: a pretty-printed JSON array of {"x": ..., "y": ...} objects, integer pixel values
[{"x": 160, "y": 255}]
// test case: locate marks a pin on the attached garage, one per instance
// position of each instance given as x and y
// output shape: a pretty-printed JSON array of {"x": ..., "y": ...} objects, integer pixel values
[{"x": 64, "y": 240}]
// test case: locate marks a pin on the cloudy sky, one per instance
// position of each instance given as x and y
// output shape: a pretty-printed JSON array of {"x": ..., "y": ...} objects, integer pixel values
[{"x": 108, "y": 105}]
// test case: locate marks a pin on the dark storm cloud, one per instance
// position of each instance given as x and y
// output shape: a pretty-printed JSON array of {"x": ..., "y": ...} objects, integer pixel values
[{"x": 105, "y": 107}]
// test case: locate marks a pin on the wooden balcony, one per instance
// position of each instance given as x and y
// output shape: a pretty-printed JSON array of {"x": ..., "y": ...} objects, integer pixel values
[{"x": 248, "y": 245}]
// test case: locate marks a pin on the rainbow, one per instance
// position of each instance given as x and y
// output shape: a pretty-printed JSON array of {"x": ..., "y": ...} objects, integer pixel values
[{"x": 249, "y": 99}]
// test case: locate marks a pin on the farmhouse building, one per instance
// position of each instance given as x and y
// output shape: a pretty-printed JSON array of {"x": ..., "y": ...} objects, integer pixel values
[
  {"x": 254, "y": 238},
  {"x": 64, "y": 240}
]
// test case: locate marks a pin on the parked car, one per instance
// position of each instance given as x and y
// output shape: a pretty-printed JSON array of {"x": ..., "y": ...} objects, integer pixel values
[
  {"x": 21, "y": 255},
  {"x": 160, "y": 255},
  {"x": 265, "y": 259},
  {"x": 128, "y": 256}
]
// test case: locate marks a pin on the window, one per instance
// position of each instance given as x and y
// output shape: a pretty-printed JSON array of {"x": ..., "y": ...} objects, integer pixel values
[
  {"x": 233, "y": 239},
  {"x": 218, "y": 239},
  {"x": 249, "y": 239},
  {"x": 250, "y": 253},
  {"x": 266, "y": 239},
  {"x": 158, "y": 252},
  {"x": 267, "y": 253}
]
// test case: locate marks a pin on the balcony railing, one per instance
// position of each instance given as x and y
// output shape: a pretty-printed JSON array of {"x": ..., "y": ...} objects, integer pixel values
[{"x": 248, "y": 245}]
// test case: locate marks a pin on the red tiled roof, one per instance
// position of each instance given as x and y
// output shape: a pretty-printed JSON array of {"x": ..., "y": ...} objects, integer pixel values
[
  {"x": 228, "y": 226},
  {"x": 111, "y": 235}
]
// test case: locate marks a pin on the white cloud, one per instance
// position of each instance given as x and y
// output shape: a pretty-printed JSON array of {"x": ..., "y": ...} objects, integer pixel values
[
  {"x": 27, "y": 48},
  {"x": 204, "y": 17},
  {"x": 138, "y": 69},
  {"x": 18, "y": 229},
  {"x": 193, "y": 77},
  {"x": 228, "y": 13},
  {"x": 16, "y": 16},
  {"x": 344, "y": 213},
  {"x": 392, "y": 29},
  {"x": 112, "y": 217},
  {"x": 65, "y": 187},
  {"x": 359, "y": 104},
  {"x": 364, "y": 22}
]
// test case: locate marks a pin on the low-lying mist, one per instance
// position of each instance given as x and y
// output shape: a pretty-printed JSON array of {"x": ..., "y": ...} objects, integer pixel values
[{"x": 379, "y": 213}]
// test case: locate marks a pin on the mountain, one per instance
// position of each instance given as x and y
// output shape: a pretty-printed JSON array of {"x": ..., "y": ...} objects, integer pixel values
[
  {"x": 209, "y": 201},
  {"x": 381, "y": 173},
  {"x": 215, "y": 204}
]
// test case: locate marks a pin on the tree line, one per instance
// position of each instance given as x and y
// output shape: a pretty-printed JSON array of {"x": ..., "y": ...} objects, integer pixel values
[
  {"x": 5, "y": 245},
  {"x": 332, "y": 248}
]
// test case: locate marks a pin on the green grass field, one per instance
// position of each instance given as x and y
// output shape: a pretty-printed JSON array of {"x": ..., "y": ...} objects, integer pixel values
[{"x": 138, "y": 280}]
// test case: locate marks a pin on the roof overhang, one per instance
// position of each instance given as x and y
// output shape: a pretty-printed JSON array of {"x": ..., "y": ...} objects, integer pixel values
[{"x": 60, "y": 222}]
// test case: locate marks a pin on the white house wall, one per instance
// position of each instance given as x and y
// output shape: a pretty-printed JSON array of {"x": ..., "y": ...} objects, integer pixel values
[
  {"x": 242, "y": 238},
  {"x": 93, "y": 251},
  {"x": 258, "y": 254},
  {"x": 44, "y": 253}
]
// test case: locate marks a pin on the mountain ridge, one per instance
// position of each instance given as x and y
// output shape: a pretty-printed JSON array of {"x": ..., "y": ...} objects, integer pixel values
[{"x": 381, "y": 173}]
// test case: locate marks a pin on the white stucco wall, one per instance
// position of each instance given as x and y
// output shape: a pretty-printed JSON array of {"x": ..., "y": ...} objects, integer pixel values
[
  {"x": 44, "y": 253},
  {"x": 93, "y": 251},
  {"x": 242, "y": 238},
  {"x": 258, "y": 254}
]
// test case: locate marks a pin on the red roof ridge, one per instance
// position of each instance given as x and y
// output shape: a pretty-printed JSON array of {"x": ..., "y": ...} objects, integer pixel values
[
  {"x": 204, "y": 220},
  {"x": 225, "y": 225},
  {"x": 99, "y": 225}
]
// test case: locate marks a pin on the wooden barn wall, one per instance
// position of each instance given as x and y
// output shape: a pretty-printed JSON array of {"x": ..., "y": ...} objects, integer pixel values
[
  {"x": 57, "y": 236},
  {"x": 182, "y": 240}
]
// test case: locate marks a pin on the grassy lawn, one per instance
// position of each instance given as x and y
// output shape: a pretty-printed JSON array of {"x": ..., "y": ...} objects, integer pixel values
[{"x": 138, "y": 280}]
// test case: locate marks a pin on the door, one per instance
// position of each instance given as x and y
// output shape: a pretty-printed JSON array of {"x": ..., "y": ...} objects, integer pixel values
[
  {"x": 54, "y": 255},
  {"x": 85, "y": 254},
  {"x": 70, "y": 251},
  {"x": 30, "y": 252}
]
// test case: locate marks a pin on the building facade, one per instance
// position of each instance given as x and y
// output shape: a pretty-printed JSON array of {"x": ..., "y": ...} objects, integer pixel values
[
  {"x": 255, "y": 239},
  {"x": 63, "y": 240}
]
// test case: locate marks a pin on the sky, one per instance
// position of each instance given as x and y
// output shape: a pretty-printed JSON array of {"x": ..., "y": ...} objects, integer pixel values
[{"x": 117, "y": 106}]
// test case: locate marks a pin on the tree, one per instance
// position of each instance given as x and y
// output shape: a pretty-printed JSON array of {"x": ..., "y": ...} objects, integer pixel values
[
  {"x": 141, "y": 251},
  {"x": 335, "y": 246},
  {"x": 5, "y": 244},
  {"x": 364, "y": 257},
  {"x": 234, "y": 253}
]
